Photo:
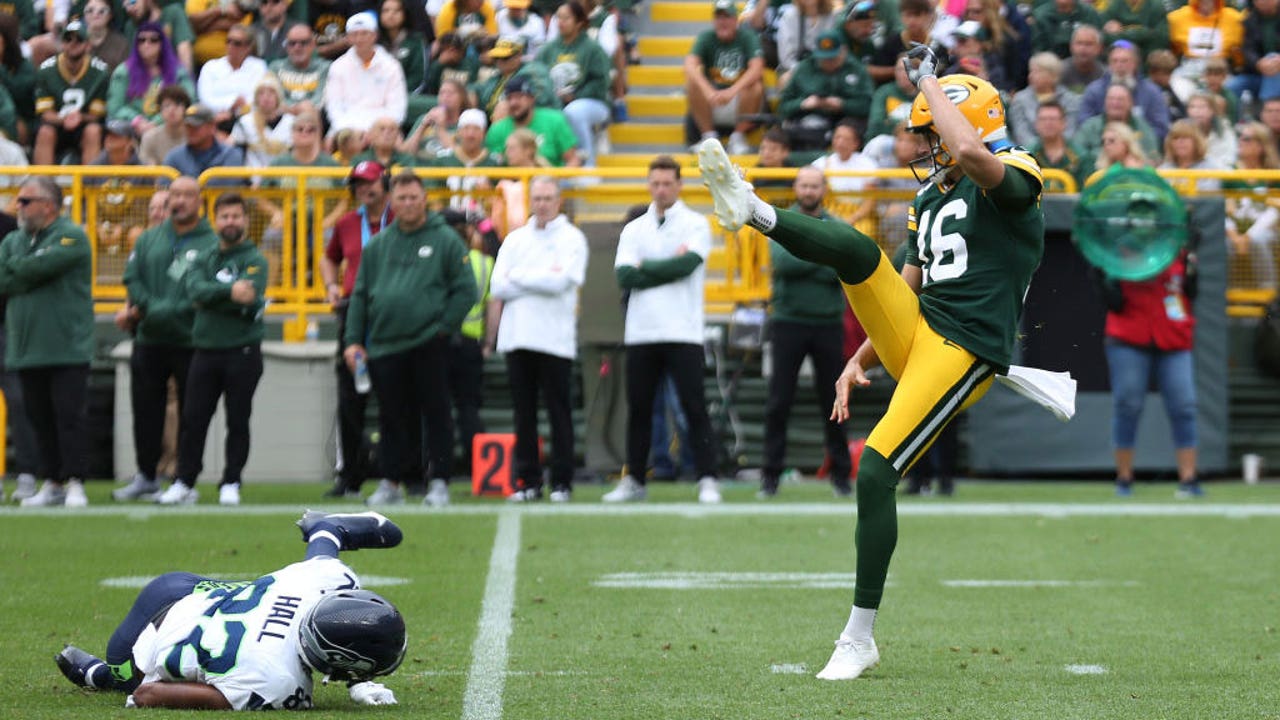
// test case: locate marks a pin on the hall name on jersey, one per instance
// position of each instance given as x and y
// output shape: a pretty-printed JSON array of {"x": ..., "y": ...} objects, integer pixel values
[{"x": 279, "y": 620}]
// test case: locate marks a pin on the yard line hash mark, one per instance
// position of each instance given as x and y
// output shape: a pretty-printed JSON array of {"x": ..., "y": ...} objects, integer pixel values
[
  {"x": 487, "y": 678},
  {"x": 1086, "y": 669}
]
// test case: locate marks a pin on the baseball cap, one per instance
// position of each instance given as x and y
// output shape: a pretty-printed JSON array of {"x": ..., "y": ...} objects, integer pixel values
[
  {"x": 473, "y": 117},
  {"x": 507, "y": 47},
  {"x": 727, "y": 7},
  {"x": 367, "y": 170},
  {"x": 198, "y": 115},
  {"x": 971, "y": 29},
  {"x": 828, "y": 46},
  {"x": 861, "y": 10},
  {"x": 121, "y": 127},
  {"x": 77, "y": 28},
  {"x": 362, "y": 21},
  {"x": 518, "y": 84}
]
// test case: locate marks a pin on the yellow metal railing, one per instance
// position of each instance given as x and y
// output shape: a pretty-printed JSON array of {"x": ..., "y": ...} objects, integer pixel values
[{"x": 294, "y": 209}]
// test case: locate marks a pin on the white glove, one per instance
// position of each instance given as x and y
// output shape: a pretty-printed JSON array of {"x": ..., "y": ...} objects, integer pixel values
[
  {"x": 927, "y": 66},
  {"x": 129, "y": 703},
  {"x": 372, "y": 693}
]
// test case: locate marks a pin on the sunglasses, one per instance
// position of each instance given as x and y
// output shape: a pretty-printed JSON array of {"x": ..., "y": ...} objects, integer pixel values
[
  {"x": 148, "y": 39},
  {"x": 297, "y": 43},
  {"x": 306, "y": 128},
  {"x": 25, "y": 201}
]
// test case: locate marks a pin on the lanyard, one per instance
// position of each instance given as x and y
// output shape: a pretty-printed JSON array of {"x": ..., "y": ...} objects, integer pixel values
[{"x": 365, "y": 232}]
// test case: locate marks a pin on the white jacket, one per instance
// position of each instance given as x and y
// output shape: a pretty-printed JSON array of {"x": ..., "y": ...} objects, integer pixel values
[
  {"x": 355, "y": 95},
  {"x": 670, "y": 313},
  {"x": 537, "y": 276}
]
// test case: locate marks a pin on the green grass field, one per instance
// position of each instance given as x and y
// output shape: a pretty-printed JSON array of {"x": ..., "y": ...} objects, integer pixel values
[{"x": 1011, "y": 600}]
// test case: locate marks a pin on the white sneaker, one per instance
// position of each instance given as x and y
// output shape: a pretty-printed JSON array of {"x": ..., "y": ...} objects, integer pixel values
[
  {"x": 437, "y": 494},
  {"x": 25, "y": 489},
  {"x": 526, "y": 495},
  {"x": 708, "y": 490},
  {"x": 75, "y": 497},
  {"x": 628, "y": 490},
  {"x": 850, "y": 659},
  {"x": 738, "y": 145},
  {"x": 729, "y": 191},
  {"x": 50, "y": 494},
  {"x": 229, "y": 494},
  {"x": 562, "y": 495},
  {"x": 388, "y": 493},
  {"x": 139, "y": 488},
  {"x": 178, "y": 493}
]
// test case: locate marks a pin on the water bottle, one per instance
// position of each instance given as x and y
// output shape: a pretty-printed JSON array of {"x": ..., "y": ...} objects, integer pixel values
[
  {"x": 313, "y": 331},
  {"x": 361, "y": 374}
]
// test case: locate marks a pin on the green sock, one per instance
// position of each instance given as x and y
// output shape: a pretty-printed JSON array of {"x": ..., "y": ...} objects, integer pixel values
[
  {"x": 876, "y": 534},
  {"x": 853, "y": 255}
]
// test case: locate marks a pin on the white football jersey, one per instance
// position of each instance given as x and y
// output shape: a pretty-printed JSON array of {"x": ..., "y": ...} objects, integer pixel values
[{"x": 242, "y": 637}]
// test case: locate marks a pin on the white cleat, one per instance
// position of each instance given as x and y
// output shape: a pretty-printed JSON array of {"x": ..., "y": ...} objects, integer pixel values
[
  {"x": 178, "y": 493},
  {"x": 50, "y": 495},
  {"x": 139, "y": 488},
  {"x": 729, "y": 192},
  {"x": 850, "y": 660},
  {"x": 437, "y": 494},
  {"x": 229, "y": 494},
  {"x": 562, "y": 495},
  {"x": 75, "y": 495},
  {"x": 26, "y": 487},
  {"x": 387, "y": 493},
  {"x": 628, "y": 490},
  {"x": 708, "y": 490}
]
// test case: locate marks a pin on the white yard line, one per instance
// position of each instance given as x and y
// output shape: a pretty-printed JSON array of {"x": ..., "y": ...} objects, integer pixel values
[
  {"x": 1086, "y": 669},
  {"x": 488, "y": 676},
  {"x": 1036, "y": 583},
  {"x": 142, "y": 513}
]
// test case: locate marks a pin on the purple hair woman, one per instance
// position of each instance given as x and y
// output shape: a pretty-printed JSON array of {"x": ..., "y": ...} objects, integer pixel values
[{"x": 151, "y": 65}]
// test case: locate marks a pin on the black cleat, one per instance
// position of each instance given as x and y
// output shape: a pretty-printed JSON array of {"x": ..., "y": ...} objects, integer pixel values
[
  {"x": 353, "y": 530},
  {"x": 77, "y": 666}
]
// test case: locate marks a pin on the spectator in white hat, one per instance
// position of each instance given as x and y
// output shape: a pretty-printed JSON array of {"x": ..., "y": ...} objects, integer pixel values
[{"x": 366, "y": 82}]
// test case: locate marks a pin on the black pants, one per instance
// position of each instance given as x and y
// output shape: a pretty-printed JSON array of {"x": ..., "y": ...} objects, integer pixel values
[
  {"x": 352, "y": 407},
  {"x": 466, "y": 387},
  {"x": 150, "y": 368},
  {"x": 533, "y": 373},
  {"x": 57, "y": 400},
  {"x": 791, "y": 343},
  {"x": 646, "y": 365},
  {"x": 26, "y": 454},
  {"x": 413, "y": 390},
  {"x": 233, "y": 375}
]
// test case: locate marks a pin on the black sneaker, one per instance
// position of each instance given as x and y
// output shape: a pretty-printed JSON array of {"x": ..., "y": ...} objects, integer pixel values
[
  {"x": 78, "y": 666},
  {"x": 341, "y": 491}
]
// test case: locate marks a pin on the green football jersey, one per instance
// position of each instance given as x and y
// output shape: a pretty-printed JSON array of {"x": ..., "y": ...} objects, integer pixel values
[
  {"x": 61, "y": 91},
  {"x": 977, "y": 260}
]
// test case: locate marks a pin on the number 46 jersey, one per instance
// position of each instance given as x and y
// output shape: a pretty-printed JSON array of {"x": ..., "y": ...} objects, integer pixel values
[
  {"x": 977, "y": 252},
  {"x": 242, "y": 637}
]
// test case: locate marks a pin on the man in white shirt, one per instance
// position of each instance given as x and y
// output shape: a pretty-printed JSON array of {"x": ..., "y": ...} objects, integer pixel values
[
  {"x": 660, "y": 261},
  {"x": 226, "y": 84},
  {"x": 366, "y": 82},
  {"x": 537, "y": 275}
]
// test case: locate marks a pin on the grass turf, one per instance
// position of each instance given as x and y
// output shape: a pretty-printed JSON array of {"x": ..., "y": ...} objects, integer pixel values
[{"x": 1177, "y": 612}]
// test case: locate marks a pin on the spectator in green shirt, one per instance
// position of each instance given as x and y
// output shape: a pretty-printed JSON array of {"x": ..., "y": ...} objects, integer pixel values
[
  {"x": 724, "y": 78},
  {"x": 556, "y": 140}
]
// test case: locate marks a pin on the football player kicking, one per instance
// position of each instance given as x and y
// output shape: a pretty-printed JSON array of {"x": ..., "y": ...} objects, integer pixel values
[
  {"x": 944, "y": 326},
  {"x": 198, "y": 643}
]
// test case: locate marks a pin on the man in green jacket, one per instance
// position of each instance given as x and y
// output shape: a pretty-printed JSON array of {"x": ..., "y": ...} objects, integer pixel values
[
  {"x": 826, "y": 87},
  {"x": 806, "y": 319},
  {"x": 46, "y": 270},
  {"x": 413, "y": 290},
  {"x": 160, "y": 315},
  {"x": 227, "y": 284}
]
